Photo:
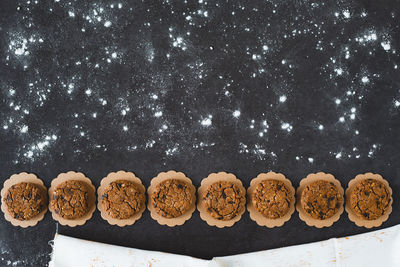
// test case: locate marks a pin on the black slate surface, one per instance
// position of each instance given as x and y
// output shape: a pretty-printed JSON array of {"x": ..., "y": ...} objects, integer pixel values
[{"x": 199, "y": 87}]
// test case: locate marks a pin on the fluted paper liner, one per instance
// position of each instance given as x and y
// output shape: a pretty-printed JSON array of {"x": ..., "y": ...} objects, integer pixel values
[
  {"x": 71, "y": 175},
  {"x": 111, "y": 177},
  {"x": 205, "y": 183},
  {"x": 162, "y": 176},
  {"x": 19, "y": 178},
  {"x": 303, "y": 215},
  {"x": 257, "y": 216},
  {"x": 352, "y": 216}
]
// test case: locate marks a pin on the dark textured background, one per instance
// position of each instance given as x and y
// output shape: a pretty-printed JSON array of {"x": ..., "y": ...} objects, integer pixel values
[{"x": 99, "y": 86}]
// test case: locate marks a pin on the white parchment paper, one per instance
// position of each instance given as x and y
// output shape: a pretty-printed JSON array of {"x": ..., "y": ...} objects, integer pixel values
[{"x": 378, "y": 248}]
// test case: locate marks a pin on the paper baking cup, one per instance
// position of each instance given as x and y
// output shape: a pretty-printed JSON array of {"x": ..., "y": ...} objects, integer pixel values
[
  {"x": 162, "y": 176},
  {"x": 19, "y": 178},
  {"x": 71, "y": 175},
  {"x": 303, "y": 215},
  {"x": 352, "y": 215},
  {"x": 205, "y": 183},
  {"x": 257, "y": 216},
  {"x": 111, "y": 177}
]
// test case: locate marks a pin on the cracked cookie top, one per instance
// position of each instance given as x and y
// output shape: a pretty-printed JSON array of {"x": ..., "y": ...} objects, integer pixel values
[
  {"x": 370, "y": 199},
  {"x": 321, "y": 199},
  {"x": 25, "y": 200},
  {"x": 224, "y": 200},
  {"x": 71, "y": 199},
  {"x": 272, "y": 198},
  {"x": 172, "y": 198},
  {"x": 122, "y": 199}
]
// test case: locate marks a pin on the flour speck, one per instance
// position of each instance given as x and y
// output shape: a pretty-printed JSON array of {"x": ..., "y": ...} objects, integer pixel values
[
  {"x": 385, "y": 46},
  {"x": 236, "y": 114},
  {"x": 206, "y": 122},
  {"x": 282, "y": 98}
]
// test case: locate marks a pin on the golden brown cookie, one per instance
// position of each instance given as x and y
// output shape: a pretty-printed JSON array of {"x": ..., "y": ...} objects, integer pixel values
[
  {"x": 321, "y": 199},
  {"x": 25, "y": 200},
  {"x": 370, "y": 199},
  {"x": 224, "y": 200},
  {"x": 172, "y": 198},
  {"x": 272, "y": 199},
  {"x": 70, "y": 199},
  {"x": 122, "y": 199}
]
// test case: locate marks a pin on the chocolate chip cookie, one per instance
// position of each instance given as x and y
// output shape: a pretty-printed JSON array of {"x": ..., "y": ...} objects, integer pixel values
[
  {"x": 71, "y": 199},
  {"x": 272, "y": 199},
  {"x": 370, "y": 199},
  {"x": 24, "y": 201},
  {"x": 321, "y": 199},
  {"x": 122, "y": 199},
  {"x": 224, "y": 200},
  {"x": 172, "y": 198}
]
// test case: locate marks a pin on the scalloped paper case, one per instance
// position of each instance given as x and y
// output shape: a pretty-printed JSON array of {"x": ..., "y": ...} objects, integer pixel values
[
  {"x": 15, "y": 179},
  {"x": 257, "y": 216},
  {"x": 111, "y": 177},
  {"x": 205, "y": 183},
  {"x": 352, "y": 216},
  {"x": 71, "y": 175},
  {"x": 303, "y": 215},
  {"x": 162, "y": 176}
]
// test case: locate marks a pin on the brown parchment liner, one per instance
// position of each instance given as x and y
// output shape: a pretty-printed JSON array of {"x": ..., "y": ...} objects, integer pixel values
[
  {"x": 352, "y": 216},
  {"x": 111, "y": 177},
  {"x": 257, "y": 216},
  {"x": 15, "y": 179},
  {"x": 71, "y": 175},
  {"x": 162, "y": 176},
  {"x": 303, "y": 215},
  {"x": 205, "y": 183}
]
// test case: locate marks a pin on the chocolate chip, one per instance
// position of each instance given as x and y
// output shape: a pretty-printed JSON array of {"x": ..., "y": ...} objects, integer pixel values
[
  {"x": 321, "y": 215},
  {"x": 223, "y": 194}
]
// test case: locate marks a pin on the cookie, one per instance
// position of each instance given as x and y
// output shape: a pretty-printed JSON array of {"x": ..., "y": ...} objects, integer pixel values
[
  {"x": 272, "y": 198},
  {"x": 370, "y": 199},
  {"x": 321, "y": 199},
  {"x": 25, "y": 200},
  {"x": 172, "y": 198},
  {"x": 70, "y": 199},
  {"x": 122, "y": 199},
  {"x": 224, "y": 200}
]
